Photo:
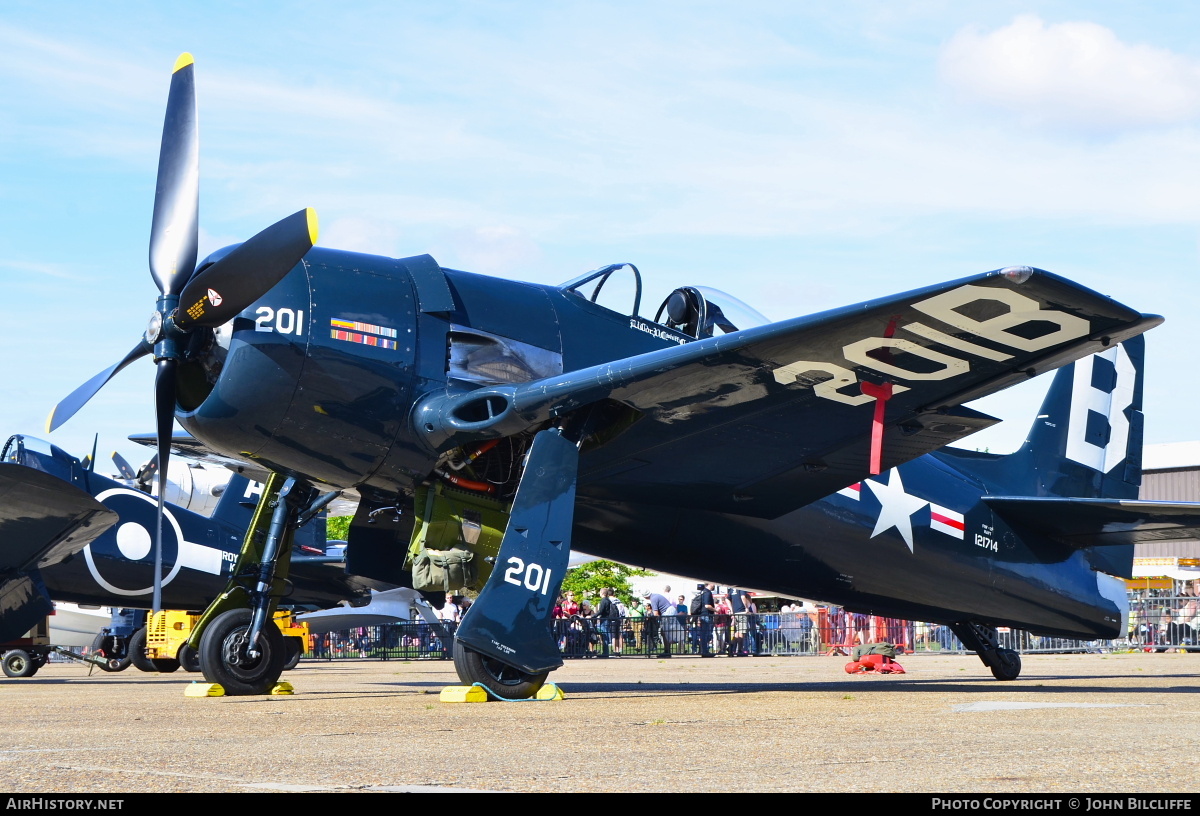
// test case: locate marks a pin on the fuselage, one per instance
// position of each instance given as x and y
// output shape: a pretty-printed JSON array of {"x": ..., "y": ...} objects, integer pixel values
[
  {"x": 319, "y": 379},
  {"x": 915, "y": 543}
]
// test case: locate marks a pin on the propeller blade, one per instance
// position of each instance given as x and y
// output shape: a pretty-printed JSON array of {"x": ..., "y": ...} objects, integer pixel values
[
  {"x": 173, "y": 234},
  {"x": 164, "y": 416},
  {"x": 123, "y": 467},
  {"x": 79, "y": 397},
  {"x": 221, "y": 291},
  {"x": 145, "y": 474}
]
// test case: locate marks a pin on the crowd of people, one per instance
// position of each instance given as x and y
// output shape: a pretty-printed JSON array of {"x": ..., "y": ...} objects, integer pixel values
[
  {"x": 708, "y": 621},
  {"x": 1167, "y": 622}
]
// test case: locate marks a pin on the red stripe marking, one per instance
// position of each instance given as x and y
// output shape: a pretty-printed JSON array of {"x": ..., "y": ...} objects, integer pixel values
[{"x": 949, "y": 522}]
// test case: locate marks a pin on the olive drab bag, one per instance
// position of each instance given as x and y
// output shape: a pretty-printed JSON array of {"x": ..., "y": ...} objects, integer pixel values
[{"x": 445, "y": 570}]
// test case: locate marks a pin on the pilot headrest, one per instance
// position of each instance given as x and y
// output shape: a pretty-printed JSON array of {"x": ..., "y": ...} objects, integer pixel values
[{"x": 678, "y": 307}]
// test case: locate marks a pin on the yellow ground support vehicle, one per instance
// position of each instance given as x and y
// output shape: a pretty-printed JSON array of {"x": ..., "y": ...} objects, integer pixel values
[{"x": 167, "y": 633}]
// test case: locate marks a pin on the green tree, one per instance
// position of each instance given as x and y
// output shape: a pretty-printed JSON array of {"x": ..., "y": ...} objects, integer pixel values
[
  {"x": 337, "y": 527},
  {"x": 588, "y": 579}
]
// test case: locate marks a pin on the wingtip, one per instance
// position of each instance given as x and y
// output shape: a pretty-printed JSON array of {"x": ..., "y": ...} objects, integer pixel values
[
  {"x": 313, "y": 230},
  {"x": 184, "y": 60}
]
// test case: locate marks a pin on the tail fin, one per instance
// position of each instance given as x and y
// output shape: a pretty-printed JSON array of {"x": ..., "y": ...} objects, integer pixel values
[
  {"x": 236, "y": 509},
  {"x": 1086, "y": 444},
  {"x": 1087, "y": 439}
]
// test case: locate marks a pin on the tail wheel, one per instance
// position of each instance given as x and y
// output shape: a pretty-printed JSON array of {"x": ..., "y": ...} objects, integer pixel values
[
  {"x": 503, "y": 681},
  {"x": 1007, "y": 665},
  {"x": 225, "y": 658},
  {"x": 293, "y": 647},
  {"x": 19, "y": 663},
  {"x": 105, "y": 646},
  {"x": 137, "y": 655},
  {"x": 189, "y": 658}
]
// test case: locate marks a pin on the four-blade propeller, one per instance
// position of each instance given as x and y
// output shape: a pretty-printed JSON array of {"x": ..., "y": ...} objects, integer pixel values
[{"x": 189, "y": 299}]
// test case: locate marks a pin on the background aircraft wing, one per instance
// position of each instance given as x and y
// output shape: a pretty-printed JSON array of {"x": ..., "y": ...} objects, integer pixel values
[
  {"x": 42, "y": 521},
  {"x": 762, "y": 421}
]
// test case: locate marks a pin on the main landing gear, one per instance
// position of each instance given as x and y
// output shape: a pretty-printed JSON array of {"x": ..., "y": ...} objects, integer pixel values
[
  {"x": 227, "y": 658},
  {"x": 504, "y": 641},
  {"x": 236, "y": 640},
  {"x": 501, "y": 679},
  {"x": 983, "y": 640}
]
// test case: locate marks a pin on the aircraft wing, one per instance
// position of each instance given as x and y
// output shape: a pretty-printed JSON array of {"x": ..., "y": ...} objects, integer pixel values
[
  {"x": 185, "y": 445},
  {"x": 43, "y": 520},
  {"x": 765, "y": 420}
]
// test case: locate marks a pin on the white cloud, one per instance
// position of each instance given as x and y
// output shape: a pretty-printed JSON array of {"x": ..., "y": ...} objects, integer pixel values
[
  {"x": 1075, "y": 74},
  {"x": 494, "y": 250}
]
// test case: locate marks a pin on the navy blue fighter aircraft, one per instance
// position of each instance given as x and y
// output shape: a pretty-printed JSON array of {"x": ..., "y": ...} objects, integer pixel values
[
  {"x": 72, "y": 534},
  {"x": 515, "y": 420}
]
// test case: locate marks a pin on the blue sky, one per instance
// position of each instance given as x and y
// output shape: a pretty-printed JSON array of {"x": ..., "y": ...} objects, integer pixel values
[{"x": 800, "y": 156}]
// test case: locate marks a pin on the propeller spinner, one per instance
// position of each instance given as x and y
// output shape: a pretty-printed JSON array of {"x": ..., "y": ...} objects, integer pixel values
[{"x": 208, "y": 298}]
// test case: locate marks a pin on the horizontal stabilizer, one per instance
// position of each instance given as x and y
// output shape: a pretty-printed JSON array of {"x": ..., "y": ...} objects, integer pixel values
[
  {"x": 1113, "y": 526},
  {"x": 1084, "y": 523}
]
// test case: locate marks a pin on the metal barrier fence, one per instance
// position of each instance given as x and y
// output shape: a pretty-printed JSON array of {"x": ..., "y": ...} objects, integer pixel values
[{"x": 761, "y": 634}]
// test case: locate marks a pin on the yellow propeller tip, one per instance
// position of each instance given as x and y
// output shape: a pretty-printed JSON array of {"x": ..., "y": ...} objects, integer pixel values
[
  {"x": 312, "y": 225},
  {"x": 185, "y": 59},
  {"x": 50, "y": 420}
]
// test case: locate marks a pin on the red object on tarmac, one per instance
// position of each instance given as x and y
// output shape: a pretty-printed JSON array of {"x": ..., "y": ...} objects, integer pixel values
[{"x": 874, "y": 664}]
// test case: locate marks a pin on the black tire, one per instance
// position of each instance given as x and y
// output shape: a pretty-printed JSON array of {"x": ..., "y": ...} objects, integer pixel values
[
  {"x": 137, "y": 656},
  {"x": 223, "y": 657},
  {"x": 1008, "y": 666},
  {"x": 105, "y": 647},
  {"x": 293, "y": 648},
  {"x": 189, "y": 658},
  {"x": 19, "y": 663},
  {"x": 501, "y": 680}
]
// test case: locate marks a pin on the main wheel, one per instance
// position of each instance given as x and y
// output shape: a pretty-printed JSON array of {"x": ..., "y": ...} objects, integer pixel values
[
  {"x": 502, "y": 680},
  {"x": 189, "y": 658},
  {"x": 293, "y": 647},
  {"x": 105, "y": 647},
  {"x": 19, "y": 663},
  {"x": 137, "y": 656},
  {"x": 1008, "y": 666},
  {"x": 224, "y": 657}
]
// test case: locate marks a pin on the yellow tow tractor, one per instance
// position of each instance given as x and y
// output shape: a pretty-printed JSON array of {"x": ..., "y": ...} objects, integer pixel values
[{"x": 167, "y": 634}]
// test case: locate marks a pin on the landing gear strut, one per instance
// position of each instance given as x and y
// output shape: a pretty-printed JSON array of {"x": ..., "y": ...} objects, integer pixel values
[
  {"x": 983, "y": 640},
  {"x": 237, "y": 642}
]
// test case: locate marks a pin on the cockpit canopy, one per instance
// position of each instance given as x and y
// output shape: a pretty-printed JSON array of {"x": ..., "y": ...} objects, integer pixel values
[{"x": 698, "y": 311}]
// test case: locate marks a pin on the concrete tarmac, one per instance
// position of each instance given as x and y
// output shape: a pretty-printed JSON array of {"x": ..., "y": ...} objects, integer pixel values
[{"x": 1118, "y": 723}]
